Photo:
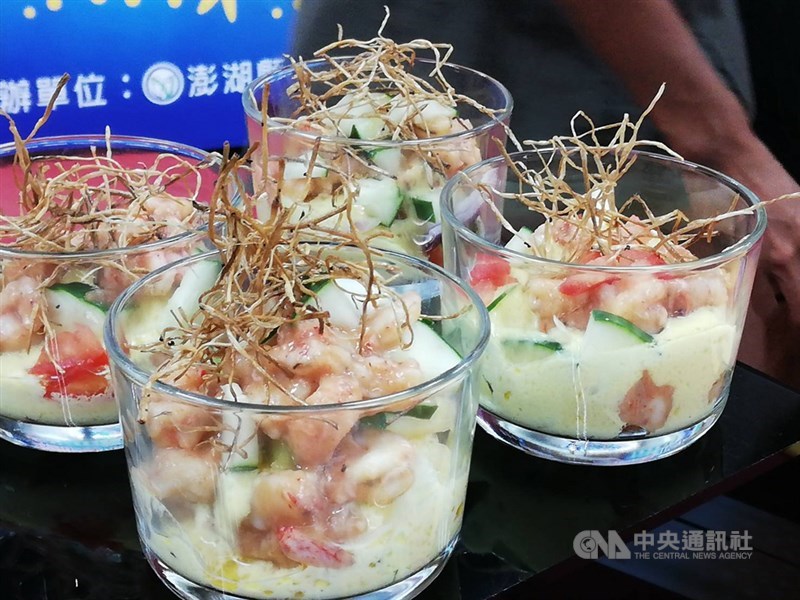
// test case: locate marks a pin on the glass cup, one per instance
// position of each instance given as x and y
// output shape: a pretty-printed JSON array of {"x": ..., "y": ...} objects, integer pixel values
[
  {"x": 399, "y": 181},
  {"x": 55, "y": 395},
  {"x": 613, "y": 363},
  {"x": 358, "y": 499}
]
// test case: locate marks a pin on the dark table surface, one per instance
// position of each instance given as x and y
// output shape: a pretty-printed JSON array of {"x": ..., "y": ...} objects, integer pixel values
[{"x": 67, "y": 528}]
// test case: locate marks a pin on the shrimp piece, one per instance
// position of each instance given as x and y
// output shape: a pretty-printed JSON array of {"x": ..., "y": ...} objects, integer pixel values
[
  {"x": 175, "y": 424},
  {"x": 388, "y": 326},
  {"x": 183, "y": 476},
  {"x": 173, "y": 212},
  {"x": 687, "y": 294},
  {"x": 646, "y": 404},
  {"x": 345, "y": 523},
  {"x": 457, "y": 155},
  {"x": 380, "y": 376},
  {"x": 286, "y": 498},
  {"x": 313, "y": 440},
  {"x": 305, "y": 546},
  {"x": 20, "y": 322},
  {"x": 307, "y": 352},
  {"x": 262, "y": 545},
  {"x": 375, "y": 469},
  {"x": 641, "y": 299}
]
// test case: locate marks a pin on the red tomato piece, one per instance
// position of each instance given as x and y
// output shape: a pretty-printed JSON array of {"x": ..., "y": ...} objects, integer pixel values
[
  {"x": 82, "y": 361},
  {"x": 489, "y": 271}
]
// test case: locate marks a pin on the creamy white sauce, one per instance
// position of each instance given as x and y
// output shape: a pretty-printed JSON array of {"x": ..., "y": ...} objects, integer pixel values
[
  {"x": 22, "y": 396},
  {"x": 402, "y": 537},
  {"x": 578, "y": 390}
]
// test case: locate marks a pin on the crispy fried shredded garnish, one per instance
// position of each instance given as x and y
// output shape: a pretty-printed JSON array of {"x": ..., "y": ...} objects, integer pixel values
[
  {"x": 271, "y": 269},
  {"x": 575, "y": 188}
]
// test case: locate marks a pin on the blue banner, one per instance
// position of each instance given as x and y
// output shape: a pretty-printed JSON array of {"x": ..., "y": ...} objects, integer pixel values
[{"x": 173, "y": 69}]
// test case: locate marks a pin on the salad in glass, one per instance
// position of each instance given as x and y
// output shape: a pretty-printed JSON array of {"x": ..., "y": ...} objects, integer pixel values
[
  {"x": 302, "y": 426},
  {"x": 82, "y": 218},
  {"x": 381, "y": 128}
]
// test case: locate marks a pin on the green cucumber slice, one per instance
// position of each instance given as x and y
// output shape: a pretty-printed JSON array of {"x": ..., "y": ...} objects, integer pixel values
[
  {"x": 367, "y": 128},
  {"x": 500, "y": 297},
  {"x": 299, "y": 169},
  {"x": 387, "y": 159},
  {"x": 434, "y": 355},
  {"x": 199, "y": 278},
  {"x": 66, "y": 310},
  {"x": 239, "y": 434},
  {"x": 342, "y": 299},
  {"x": 607, "y": 331},
  {"x": 380, "y": 199},
  {"x": 520, "y": 243},
  {"x": 426, "y": 203},
  {"x": 522, "y": 350},
  {"x": 80, "y": 290}
]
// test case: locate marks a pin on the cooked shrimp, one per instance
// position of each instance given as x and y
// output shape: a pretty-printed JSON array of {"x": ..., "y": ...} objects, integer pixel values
[
  {"x": 375, "y": 469},
  {"x": 313, "y": 440},
  {"x": 308, "y": 352},
  {"x": 456, "y": 155},
  {"x": 177, "y": 424},
  {"x": 260, "y": 544},
  {"x": 20, "y": 323},
  {"x": 286, "y": 498},
  {"x": 183, "y": 475},
  {"x": 388, "y": 325},
  {"x": 646, "y": 404},
  {"x": 306, "y": 546}
]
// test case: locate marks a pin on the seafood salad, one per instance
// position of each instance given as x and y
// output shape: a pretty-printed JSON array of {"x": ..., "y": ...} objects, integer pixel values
[
  {"x": 612, "y": 316},
  {"x": 394, "y": 125},
  {"x": 92, "y": 215},
  {"x": 310, "y": 436}
]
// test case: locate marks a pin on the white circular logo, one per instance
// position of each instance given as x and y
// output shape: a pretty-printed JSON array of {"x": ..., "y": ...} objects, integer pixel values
[{"x": 163, "y": 83}]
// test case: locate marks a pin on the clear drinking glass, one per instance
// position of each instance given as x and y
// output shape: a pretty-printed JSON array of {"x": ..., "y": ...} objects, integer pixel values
[
  {"x": 357, "y": 499},
  {"x": 400, "y": 180},
  {"x": 61, "y": 400},
  {"x": 605, "y": 364}
]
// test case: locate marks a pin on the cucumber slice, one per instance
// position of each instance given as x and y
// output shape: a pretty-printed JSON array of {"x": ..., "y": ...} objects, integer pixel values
[
  {"x": 500, "y": 297},
  {"x": 67, "y": 310},
  {"x": 522, "y": 350},
  {"x": 239, "y": 434},
  {"x": 343, "y": 300},
  {"x": 430, "y": 350},
  {"x": 80, "y": 290},
  {"x": 367, "y": 128},
  {"x": 197, "y": 279},
  {"x": 607, "y": 331},
  {"x": 299, "y": 169},
  {"x": 387, "y": 159},
  {"x": 380, "y": 199},
  {"x": 426, "y": 203},
  {"x": 520, "y": 241}
]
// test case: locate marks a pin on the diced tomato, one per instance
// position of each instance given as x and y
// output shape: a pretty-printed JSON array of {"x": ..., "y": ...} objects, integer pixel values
[
  {"x": 489, "y": 272},
  {"x": 82, "y": 361}
]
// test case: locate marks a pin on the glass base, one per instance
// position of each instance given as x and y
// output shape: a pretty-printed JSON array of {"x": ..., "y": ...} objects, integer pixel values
[
  {"x": 407, "y": 588},
  {"x": 595, "y": 452},
  {"x": 55, "y": 438}
]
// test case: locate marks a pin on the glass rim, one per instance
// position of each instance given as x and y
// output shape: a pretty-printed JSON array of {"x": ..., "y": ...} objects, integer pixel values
[
  {"x": 128, "y": 142},
  {"x": 250, "y": 104},
  {"x": 141, "y": 377},
  {"x": 739, "y": 247}
]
